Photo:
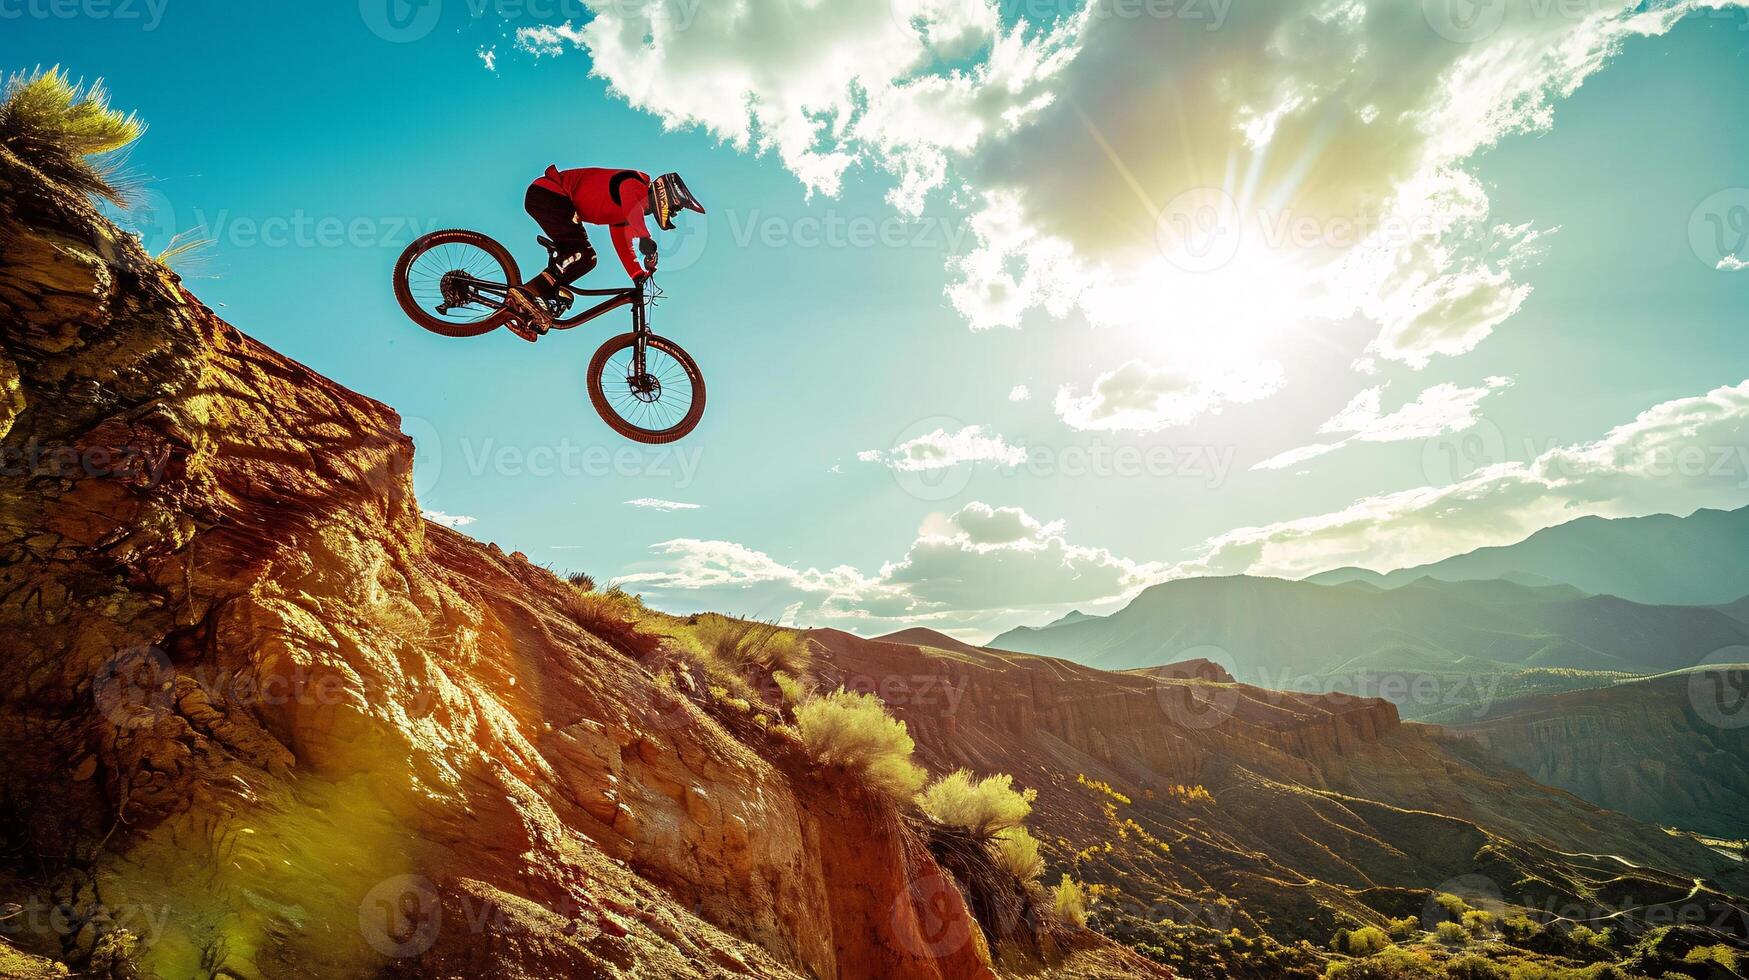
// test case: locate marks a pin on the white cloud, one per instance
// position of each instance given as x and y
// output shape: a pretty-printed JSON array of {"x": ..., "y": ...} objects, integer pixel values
[
  {"x": 1731, "y": 263},
  {"x": 941, "y": 449},
  {"x": 1139, "y": 397},
  {"x": 987, "y": 564},
  {"x": 1338, "y": 130},
  {"x": 1439, "y": 410},
  {"x": 1019, "y": 393},
  {"x": 656, "y": 503},
  {"x": 1675, "y": 457},
  {"x": 447, "y": 520}
]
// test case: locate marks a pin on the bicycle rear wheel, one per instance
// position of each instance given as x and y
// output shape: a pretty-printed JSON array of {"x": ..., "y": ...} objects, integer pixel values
[
  {"x": 463, "y": 271},
  {"x": 659, "y": 405}
]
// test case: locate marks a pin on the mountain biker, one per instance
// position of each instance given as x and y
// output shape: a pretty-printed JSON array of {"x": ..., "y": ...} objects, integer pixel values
[{"x": 563, "y": 201}]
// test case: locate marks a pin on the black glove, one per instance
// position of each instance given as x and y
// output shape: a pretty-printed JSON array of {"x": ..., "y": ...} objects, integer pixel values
[{"x": 647, "y": 247}]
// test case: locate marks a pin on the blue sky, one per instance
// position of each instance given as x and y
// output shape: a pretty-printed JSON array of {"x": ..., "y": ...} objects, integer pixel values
[{"x": 312, "y": 149}]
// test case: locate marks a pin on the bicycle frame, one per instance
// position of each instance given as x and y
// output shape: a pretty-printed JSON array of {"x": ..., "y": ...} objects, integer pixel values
[{"x": 632, "y": 296}]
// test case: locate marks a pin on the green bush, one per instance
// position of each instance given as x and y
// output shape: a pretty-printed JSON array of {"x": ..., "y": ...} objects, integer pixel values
[
  {"x": 1451, "y": 933},
  {"x": 55, "y": 124},
  {"x": 582, "y": 581},
  {"x": 982, "y": 806},
  {"x": 854, "y": 730},
  {"x": 615, "y": 616},
  {"x": 1720, "y": 955},
  {"x": 1404, "y": 928},
  {"x": 746, "y": 647},
  {"x": 1017, "y": 850},
  {"x": 1366, "y": 941},
  {"x": 1069, "y": 902},
  {"x": 1452, "y": 904},
  {"x": 1519, "y": 928},
  {"x": 1478, "y": 922}
]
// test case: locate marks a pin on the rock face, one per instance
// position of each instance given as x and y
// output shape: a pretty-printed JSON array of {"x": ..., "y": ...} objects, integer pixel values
[
  {"x": 259, "y": 719},
  {"x": 1671, "y": 750},
  {"x": 1218, "y": 805}
]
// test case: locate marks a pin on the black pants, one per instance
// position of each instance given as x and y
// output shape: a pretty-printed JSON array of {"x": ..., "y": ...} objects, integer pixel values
[{"x": 557, "y": 216}]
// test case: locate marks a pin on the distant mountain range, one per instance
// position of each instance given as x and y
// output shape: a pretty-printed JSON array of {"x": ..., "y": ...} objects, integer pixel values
[
  {"x": 1283, "y": 634},
  {"x": 1696, "y": 560}
]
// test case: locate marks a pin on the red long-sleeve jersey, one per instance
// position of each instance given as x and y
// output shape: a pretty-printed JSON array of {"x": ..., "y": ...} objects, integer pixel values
[{"x": 603, "y": 196}]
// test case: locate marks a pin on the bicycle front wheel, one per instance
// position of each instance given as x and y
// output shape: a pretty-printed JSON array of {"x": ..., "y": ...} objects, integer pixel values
[{"x": 658, "y": 404}]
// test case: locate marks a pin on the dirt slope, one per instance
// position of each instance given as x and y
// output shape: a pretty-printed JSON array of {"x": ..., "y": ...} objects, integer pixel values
[
  {"x": 1312, "y": 809},
  {"x": 261, "y": 720}
]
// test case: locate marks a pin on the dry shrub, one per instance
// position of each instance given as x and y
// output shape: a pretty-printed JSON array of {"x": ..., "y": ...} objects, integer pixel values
[
  {"x": 982, "y": 806},
  {"x": 55, "y": 124},
  {"x": 854, "y": 730},
  {"x": 616, "y": 617},
  {"x": 1070, "y": 902},
  {"x": 1017, "y": 850},
  {"x": 748, "y": 647}
]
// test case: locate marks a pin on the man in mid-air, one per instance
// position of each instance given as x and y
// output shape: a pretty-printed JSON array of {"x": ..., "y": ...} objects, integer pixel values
[{"x": 563, "y": 201}]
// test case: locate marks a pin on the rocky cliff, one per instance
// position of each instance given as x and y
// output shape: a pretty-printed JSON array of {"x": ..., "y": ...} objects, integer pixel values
[
  {"x": 1673, "y": 750},
  {"x": 259, "y": 719},
  {"x": 1215, "y": 806}
]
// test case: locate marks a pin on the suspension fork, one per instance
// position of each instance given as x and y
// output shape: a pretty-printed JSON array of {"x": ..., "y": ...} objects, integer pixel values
[{"x": 640, "y": 333}]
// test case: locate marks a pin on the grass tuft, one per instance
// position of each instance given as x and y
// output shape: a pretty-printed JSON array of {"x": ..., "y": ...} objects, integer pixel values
[
  {"x": 982, "y": 806},
  {"x": 615, "y": 616},
  {"x": 854, "y": 730},
  {"x": 57, "y": 125}
]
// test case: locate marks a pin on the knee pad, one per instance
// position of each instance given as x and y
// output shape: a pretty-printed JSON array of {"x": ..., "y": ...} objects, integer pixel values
[{"x": 573, "y": 259}]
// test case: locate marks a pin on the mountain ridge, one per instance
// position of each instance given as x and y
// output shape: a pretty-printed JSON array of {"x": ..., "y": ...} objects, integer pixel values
[{"x": 1658, "y": 559}]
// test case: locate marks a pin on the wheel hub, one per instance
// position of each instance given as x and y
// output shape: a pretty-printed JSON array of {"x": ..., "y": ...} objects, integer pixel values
[
  {"x": 454, "y": 292},
  {"x": 645, "y": 388}
]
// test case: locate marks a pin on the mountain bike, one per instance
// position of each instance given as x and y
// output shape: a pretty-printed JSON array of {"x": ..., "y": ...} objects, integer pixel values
[{"x": 647, "y": 388}]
